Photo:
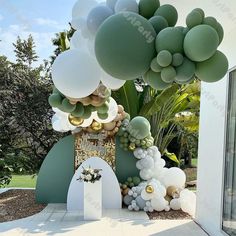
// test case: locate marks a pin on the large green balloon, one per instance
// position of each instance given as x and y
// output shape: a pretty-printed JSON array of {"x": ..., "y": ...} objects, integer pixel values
[
  {"x": 193, "y": 19},
  {"x": 199, "y": 10},
  {"x": 170, "y": 39},
  {"x": 186, "y": 71},
  {"x": 213, "y": 69},
  {"x": 125, "y": 45},
  {"x": 55, "y": 100},
  {"x": 186, "y": 82},
  {"x": 159, "y": 23},
  {"x": 211, "y": 21},
  {"x": 147, "y": 8},
  {"x": 139, "y": 127},
  {"x": 168, "y": 74},
  {"x": 169, "y": 13},
  {"x": 201, "y": 43},
  {"x": 154, "y": 80},
  {"x": 164, "y": 58}
]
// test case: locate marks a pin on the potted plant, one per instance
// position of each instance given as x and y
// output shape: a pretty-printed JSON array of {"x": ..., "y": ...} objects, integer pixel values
[{"x": 92, "y": 193}]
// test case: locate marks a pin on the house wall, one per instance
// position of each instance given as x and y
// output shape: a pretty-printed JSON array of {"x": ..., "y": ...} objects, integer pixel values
[{"x": 211, "y": 146}]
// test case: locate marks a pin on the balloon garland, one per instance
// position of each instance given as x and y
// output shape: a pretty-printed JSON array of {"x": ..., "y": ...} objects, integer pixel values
[{"x": 125, "y": 40}]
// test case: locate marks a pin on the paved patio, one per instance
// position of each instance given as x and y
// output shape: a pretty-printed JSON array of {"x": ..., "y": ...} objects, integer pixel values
[{"x": 54, "y": 220}]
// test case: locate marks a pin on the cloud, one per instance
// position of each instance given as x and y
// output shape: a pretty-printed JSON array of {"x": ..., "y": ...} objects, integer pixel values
[
  {"x": 48, "y": 22},
  {"x": 43, "y": 41}
]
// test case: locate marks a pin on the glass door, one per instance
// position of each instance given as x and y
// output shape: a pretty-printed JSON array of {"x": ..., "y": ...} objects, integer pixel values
[{"x": 229, "y": 195}]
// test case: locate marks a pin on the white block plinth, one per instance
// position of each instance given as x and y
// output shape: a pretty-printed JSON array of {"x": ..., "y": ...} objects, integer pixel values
[{"x": 93, "y": 200}]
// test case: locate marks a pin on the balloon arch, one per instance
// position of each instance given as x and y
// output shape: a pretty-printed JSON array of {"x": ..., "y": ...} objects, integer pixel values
[{"x": 123, "y": 40}]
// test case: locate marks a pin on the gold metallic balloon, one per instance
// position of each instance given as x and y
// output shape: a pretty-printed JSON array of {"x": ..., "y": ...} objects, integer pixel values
[
  {"x": 172, "y": 191},
  {"x": 76, "y": 121},
  {"x": 96, "y": 126},
  {"x": 149, "y": 189},
  {"x": 132, "y": 147}
]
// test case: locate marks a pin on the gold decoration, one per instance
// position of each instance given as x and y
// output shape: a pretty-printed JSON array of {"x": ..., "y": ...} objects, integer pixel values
[
  {"x": 76, "y": 121},
  {"x": 132, "y": 147},
  {"x": 149, "y": 189},
  {"x": 173, "y": 192},
  {"x": 94, "y": 145},
  {"x": 96, "y": 126}
]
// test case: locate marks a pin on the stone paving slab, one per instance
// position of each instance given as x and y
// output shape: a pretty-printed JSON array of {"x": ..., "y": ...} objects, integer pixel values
[{"x": 55, "y": 220}]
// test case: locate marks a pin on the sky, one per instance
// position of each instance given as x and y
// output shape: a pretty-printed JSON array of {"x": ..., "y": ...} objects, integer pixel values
[{"x": 41, "y": 18}]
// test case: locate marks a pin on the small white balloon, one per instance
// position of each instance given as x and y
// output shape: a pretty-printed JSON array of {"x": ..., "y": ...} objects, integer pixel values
[
  {"x": 126, "y": 5},
  {"x": 75, "y": 73},
  {"x": 159, "y": 203},
  {"x": 175, "y": 204},
  {"x": 82, "y": 7},
  {"x": 174, "y": 177},
  {"x": 111, "y": 82}
]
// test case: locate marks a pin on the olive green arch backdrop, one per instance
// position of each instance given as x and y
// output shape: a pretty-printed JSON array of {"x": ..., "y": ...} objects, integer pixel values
[{"x": 57, "y": 170}]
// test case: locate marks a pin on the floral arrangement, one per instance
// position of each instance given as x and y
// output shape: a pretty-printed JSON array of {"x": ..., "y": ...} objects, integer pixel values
[{"x": 90, "y": 175}]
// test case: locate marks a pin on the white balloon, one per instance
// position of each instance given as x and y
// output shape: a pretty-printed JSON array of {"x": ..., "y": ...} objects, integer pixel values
[
  {"x": 175, "y": 204},
  {"x": 146, "y": 174},
  {"x": 87, "y": 122},
  {"x": 75, "y": 74},
  {"x": 111, "y": 3},
  {"x": 111, "y": 82},
  {"x": 96, "y": 17},
  {"x": 77, "y": 23},
  {"x": 159, "y": 203},
  {"x": 82, "y": 7},
  {"x": 147, "y": 162},
  {"x": 174, "y": 177},
  {"x": 112, "y": 112},
  {"x": 188, "y": 201},
  {"x": 77, "y": 41},
  {"x": 126, "y": 5}
]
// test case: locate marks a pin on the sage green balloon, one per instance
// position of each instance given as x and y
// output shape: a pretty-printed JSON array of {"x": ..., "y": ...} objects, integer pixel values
[
  {"x": 66, "y": 106},
  {"x": 125, "y": 45},
  {"x": 213, "y": 69},
  {"x": 159, "y": 23},
  {"x": 220, "y": 32},
  {"x": 177, "y": 59},
  {"x": 169, "y": 13},
  {"x": 103, "y": 109},
  {"x": 170, "y": 39},
  {"x": 164, "y": 58},
  {"x": 79, "y": 110},
  {"x": 186, "y": 82},
  {"x": 139, "y": 127},
  {"x": 201, "y": 43},
  {"x": 154, "y": 80},
  {"x": 55, "y": 100},
  {"x": 102, "y": 116},
  {"x": 211, "y": 21},
  {"x": 87, "y": 112},
  {"x": 193, "y": 19},
  {"x": 186, "y": 71},
  {"x": 147, "y": 8},
  {"x": 155, "y": 66},
  {"x": 168, "y": 74},
  {"x": 199, "y": 10}
]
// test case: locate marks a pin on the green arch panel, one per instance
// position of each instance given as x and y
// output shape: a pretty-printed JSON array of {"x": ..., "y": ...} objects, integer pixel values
[
  {"x": 125, "y": 163},
  {"x": 56, "y": 172}
]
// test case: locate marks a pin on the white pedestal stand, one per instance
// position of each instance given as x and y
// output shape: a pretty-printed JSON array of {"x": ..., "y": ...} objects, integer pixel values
[{"x": 93, "y": 200}]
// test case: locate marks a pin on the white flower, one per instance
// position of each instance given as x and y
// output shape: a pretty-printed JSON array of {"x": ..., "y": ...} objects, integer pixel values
[{"x": 88, "y": 177}]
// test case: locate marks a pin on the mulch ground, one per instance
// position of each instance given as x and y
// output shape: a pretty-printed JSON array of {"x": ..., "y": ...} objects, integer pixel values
[
  {"x": 17, "y": 204},
  {"x": 169, "y": 215}
]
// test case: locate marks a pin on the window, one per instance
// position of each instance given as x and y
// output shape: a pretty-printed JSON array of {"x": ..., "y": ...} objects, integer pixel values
[{"x": 229, "y": 195}]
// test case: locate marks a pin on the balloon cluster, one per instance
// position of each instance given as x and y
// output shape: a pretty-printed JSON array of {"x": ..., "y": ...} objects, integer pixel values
[
  {"x": 162, "y": 188},
  {"x": 136, "y": 133},
  {"x": 134, "y": 40}
]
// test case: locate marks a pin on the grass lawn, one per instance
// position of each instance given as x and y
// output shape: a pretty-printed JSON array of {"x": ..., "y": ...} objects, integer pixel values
[{"x": 23, "y": 181}]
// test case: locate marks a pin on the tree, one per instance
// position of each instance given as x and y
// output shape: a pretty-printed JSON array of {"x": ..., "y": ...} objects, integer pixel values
[{"x": 25, "y": 51}]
